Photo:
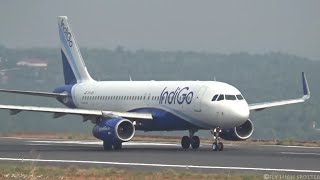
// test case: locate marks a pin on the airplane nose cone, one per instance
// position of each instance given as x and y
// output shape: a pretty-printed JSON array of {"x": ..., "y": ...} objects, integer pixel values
[{"x": 241, "y": 114}]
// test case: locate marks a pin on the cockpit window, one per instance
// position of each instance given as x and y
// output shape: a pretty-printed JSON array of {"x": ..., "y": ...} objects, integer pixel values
[
  {"x": 239, "y": 97},
  {"x": 215, "y": 97},
  {"x": 221, "y": 97},
  {"x": 230, "y": 97}
]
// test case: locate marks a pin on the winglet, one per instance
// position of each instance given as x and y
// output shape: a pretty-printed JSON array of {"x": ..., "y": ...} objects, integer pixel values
[{"x": 306, "y": 91}]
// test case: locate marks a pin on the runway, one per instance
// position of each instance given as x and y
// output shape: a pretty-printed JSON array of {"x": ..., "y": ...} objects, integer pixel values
[{"x": 158, "y": 156}]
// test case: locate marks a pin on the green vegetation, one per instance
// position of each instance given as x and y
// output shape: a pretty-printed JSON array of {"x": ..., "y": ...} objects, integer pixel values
[
  {"x": 260, "y": 77},
  {"x": 32, "y": 171}
]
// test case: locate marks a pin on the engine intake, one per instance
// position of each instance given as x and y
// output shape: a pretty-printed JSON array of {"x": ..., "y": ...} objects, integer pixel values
[
  {"x": 114, "y": 129},
  {"x": 238, "y": 133}
]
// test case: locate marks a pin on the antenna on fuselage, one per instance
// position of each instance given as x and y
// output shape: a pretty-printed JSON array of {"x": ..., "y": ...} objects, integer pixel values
[
  {"x": 214, "y": 78},
  {"x": 130, "y": 79}
]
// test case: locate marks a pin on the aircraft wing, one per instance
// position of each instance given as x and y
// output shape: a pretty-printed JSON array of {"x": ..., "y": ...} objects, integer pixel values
[
  {"x": 264, "y": 105},
  {"x": 86, "y": 113},
  {"x": 35, "y": 93}
]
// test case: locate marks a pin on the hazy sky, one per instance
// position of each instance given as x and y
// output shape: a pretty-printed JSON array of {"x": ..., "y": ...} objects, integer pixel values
[{"x": 253, "y": 26}]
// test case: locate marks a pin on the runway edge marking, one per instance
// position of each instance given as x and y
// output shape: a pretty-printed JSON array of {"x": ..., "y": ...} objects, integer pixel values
[
  {"x": 160, "y": 165},
  {"x": 300, "y": 153}
]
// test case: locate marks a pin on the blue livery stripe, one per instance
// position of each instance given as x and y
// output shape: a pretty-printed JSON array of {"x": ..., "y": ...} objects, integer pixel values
[
  {"x": 163, "y": 121},
  {"x": 66, "y": 46},
  {"x": 69, "y": 77}
]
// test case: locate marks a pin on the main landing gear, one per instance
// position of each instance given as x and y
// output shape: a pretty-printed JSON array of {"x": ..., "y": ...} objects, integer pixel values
[
  {"x": 115, "y": 145},
  {"x": 217, "y": 145},
  {"x": 192, "y": 140}
]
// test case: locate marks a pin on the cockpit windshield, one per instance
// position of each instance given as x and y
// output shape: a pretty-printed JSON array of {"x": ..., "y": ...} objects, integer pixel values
[
  {"x": 215, "y": 97},
  {"x": 220, "y": 97},
  {"x": 239, "y": 97},
  {"x": 230, "y": 97}
]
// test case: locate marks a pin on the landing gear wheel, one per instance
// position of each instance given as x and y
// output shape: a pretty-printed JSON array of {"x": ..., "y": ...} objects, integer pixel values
[
  {"x": 195, "y": 142},
  {"x": 117, "y": 145},
  {"x": 215, "y": 146},
  {"x": 185, "y": 142},
  {"x": 107, "y": 146},
  {"x": 220, "y": 145}
]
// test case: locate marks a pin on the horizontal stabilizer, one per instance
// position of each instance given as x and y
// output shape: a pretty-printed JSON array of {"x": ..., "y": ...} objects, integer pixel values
[{"x": 35, "y": 93}]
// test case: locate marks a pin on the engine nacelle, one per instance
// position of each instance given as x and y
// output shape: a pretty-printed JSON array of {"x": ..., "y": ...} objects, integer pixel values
[
  {"x": 238, "y": 133},
  {"x": 114, "y": 129}
]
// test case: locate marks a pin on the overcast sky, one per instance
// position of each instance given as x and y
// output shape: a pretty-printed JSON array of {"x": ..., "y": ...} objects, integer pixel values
[{"x": 253, "y": 26}]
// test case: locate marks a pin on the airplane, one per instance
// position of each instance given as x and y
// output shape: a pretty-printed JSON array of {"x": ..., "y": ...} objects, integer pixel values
[{"x": 119, "y": 108}]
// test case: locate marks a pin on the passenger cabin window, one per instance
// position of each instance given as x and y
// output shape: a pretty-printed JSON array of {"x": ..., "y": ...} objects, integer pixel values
[
  {"x": 215, "y": 97},
  {"x": 221, "y": 97},
  {"x": 230, "y": 97},
  {"x": 239, "y": 97}
]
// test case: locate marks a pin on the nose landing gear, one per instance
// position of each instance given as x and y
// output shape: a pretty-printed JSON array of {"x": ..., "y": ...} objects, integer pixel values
[
  {"x": 192, "y": 140},
  {"x": 217, "y": 145}
]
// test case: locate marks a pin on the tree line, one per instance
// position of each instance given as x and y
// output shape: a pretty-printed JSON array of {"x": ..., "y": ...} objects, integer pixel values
[{"x": 260, "y": 77}]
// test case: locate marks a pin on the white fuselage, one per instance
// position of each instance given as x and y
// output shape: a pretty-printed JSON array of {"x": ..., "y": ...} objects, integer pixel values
[{"x": 188, "y": 100}]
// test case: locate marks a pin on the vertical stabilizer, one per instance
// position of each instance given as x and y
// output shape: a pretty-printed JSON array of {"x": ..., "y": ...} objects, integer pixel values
[{"x": 74, "y": 68}]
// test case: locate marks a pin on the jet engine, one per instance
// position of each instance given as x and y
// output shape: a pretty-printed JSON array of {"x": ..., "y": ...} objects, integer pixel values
[
  {"x": 238, "y": 133},
  {"x": 114, "y": 129}
]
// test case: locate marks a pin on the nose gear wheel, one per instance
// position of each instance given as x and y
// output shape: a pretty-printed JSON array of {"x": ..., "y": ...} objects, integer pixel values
[{"x": 217, "y": 145}]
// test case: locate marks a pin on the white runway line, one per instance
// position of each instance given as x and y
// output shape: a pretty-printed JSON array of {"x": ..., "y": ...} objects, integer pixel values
[
  {"x": 29, "y": 138},
  {"x": 150, "y": 144},
  {"x": 303, "y": 147},
  {"x": 131, "y": 143},
  {"x": 67, "y": 142},
  {"x": 39, "y": 140},
  {"x": 161, "y": 165},
  {"x": 100, "y": 143},
  {"x": 65, "y": 145},
  {"x": 40, "y": 144},
  {"x": 300, "y": 153}
]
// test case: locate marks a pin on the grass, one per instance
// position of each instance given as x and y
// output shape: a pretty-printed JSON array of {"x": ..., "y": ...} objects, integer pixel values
[{"x": 32, "y": 171}]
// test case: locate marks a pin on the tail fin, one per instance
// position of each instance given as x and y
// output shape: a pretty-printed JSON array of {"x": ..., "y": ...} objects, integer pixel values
[{"x": 74, "y": 68}]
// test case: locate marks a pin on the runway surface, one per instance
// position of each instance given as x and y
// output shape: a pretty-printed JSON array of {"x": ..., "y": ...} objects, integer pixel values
[{"x": 158, "y": 156}]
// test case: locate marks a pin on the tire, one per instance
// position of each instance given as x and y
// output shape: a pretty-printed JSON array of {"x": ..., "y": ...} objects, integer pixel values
[
  {"x": 107, "y": 146},
  {"x": 195, "y": 142},
  {"x": 117, "y": 145},
  {"x": 215, "y": 146},
  {"x": 220, "y": 146},
  {"x": 185, "y": 142}
]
